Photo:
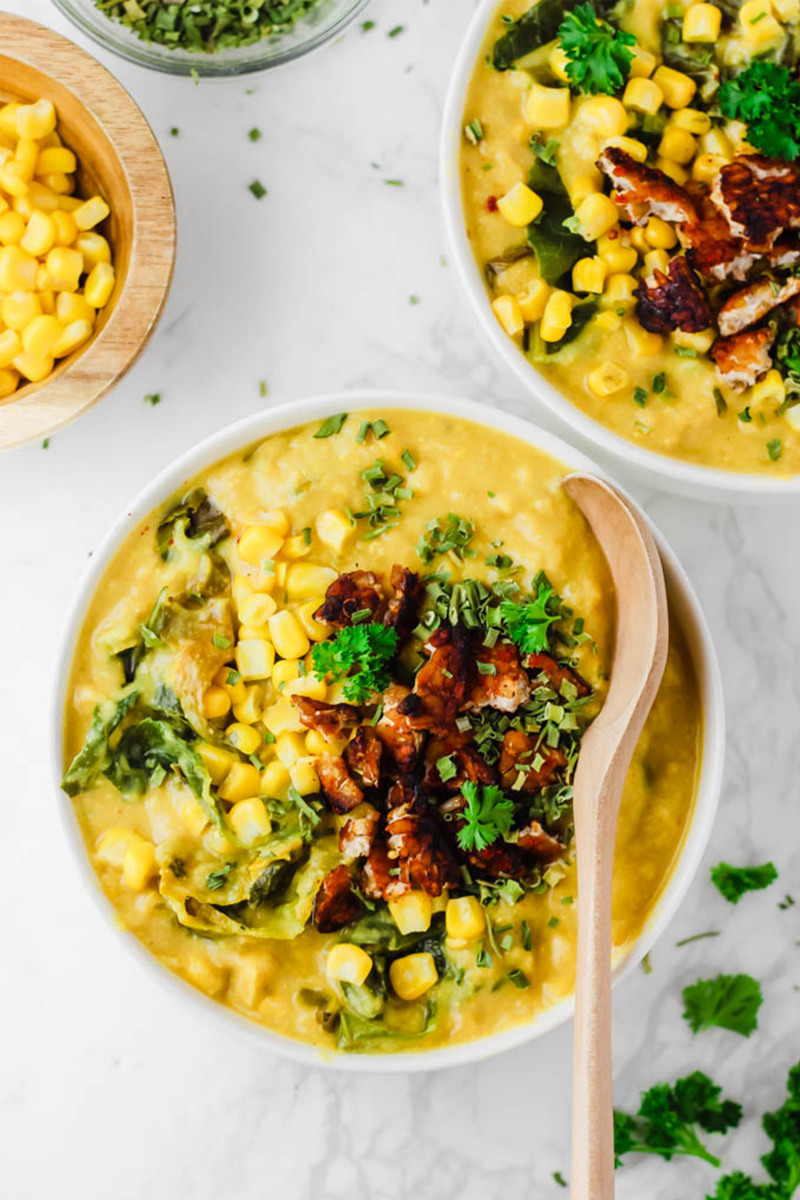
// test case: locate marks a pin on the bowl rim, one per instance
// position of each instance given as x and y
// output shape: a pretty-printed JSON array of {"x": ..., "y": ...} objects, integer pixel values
[
  {"x": 36, "y": 410},
  {"x": 288, "y": 416},
  {"x": 707, "y": 483},
  {"x": 128, "y": 46}
]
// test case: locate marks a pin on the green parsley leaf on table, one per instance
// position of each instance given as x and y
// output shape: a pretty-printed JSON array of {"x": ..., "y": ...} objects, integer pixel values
[
  {"x": 599, "y": 56},
  {"x": 359, "y": 654},
  {"x": 487, "y": 816},
  {"x": 782, "y": 1163},
  {"x": 669, "y": 1117},
  {"x": 727, "y": 1002},
  {"x": 766, "y": 97},
  {"x": 733, "y": 882},
  {"x": 527, "y": 624}
]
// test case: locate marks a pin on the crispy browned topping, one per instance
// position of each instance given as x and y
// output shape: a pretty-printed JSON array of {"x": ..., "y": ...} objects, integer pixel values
[
  {"x": 332, "y": 720},
  {"x": 673, "y": 301},
  {"x": 469, "y": 765},
  {"x": 358, "y": 833},
  {"x": 415, "y": 842},
  {"x": 744, "y": 358},
  {"x": 645, "y": 191},
  {"x": 506, "y": 688},
  {"x": 759, "y": 197},
  {"x": 441, "y": 684},
  {"x": 377, "y": 880},
  {"x": 749, "y": 304},
  {"x": 335, "y": 902},
  {"x": 339, "y": 788},
  {"x": 395, "y": 729},
  {"x": 520, "y": 753},
  {"x": 403, "y": 608},
  {"x": 556, "y": 674},
  {"x": 363, "y": 755},
  {"x": 352, "y": 592},
  {"x": 711, "y": 248},
  {"x": 534, "y": 839}
]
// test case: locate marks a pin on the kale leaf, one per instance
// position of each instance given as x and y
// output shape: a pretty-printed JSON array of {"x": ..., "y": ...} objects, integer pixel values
[
  {"x": 197, "y": 516},
  {"x": 89, "y": 761}
]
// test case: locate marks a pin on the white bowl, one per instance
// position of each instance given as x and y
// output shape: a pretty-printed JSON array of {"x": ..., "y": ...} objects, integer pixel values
[
  {"x": 684, "y": 605},
  {"x": 701, "y": 483}
]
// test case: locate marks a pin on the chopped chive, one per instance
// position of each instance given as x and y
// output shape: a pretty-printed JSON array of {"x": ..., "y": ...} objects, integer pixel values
[
  {"x": 720, "y": 401},
  {"x": 380, "y": 428},
  {"x": 258, "y": 189},
  {"x": 262, "y": 388},
  {"x": 396, "y": 31},
  {"x": 306, "y": 535},
  {"x": 153, "y": 398},
  {"x": 408, "y": 460},
  {"x": 413, "y": 299},
  {"x": 473, "y": 132},
  {"x": 775, "y": 449},
  {"x": 393, "y": 182},
  {"x": 220, "y": 641},
  {"x": 363, "y": 430},
  {"x": 46, "y": 444},
  {"x": 174, "y": 131},
  {"x": 331, "y": 425},
  {"x": 640, "y": 396},
  {"x": 254, "y": 134}
]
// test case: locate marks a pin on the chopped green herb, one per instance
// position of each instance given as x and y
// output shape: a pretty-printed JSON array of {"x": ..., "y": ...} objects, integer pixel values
[
  {"x": 745, "y": 415},
  {"x": 519, "y": 979},
  {"x": 721, "y": 402},
  {"x": 232, "y": 678},
  {"x": 733, "y": 882},
  {"x": 446, "y": 766},
  {"x": 528, "y": 624},
  {"x": 553, "y": 923},
  {"x": 728, "y": 1002},
  {"x": 527, "y": 941},
  {"x": 153, "y": 398},
  {"x": 254, "y": 134},
  {"x": 659, "y": 383},
  {"x": 766, "y": 96},
  {"x": 559, "y": 1179},
  {"x": 698, "y": 937},
  {"x": 262, "y": 388},
  {"x": 46, "y": 444},
  {"x": 408, "y": 460},
  {"x": 473, "y": 132},
  {"x": 487, "y": 816},
  {"x": 396, "y": 31},
  {"x": 359, "y": 654},
  {"x": 599, "y": 56},
  {"x": 775, "y": 449},
  {"x": 413, "y": 300},
  {"x": 685, "y": 351},
  {"x": 445, "y": 535},
  {"x": 640, "y": 396},
  {"x": 366, "y": 26},
  {"x": 217, "y": 879},
  {"x": 174, "y": 131},
  {"x": 220, "y": 641},
  {"x": 258, "y": 189},
  {"x": 331, "y": 425},
  {"x": 670, "y": 1116},
  {"x": 393, "y": 182}
]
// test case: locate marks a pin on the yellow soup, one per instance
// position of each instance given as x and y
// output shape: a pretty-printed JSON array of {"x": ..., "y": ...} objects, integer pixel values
[
  {"x": 592, "y": 304},
  {"x": 334, "y": 794}
]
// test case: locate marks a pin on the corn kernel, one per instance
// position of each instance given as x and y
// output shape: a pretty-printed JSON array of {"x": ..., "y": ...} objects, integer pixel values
[
  {"x": 275, "y": 781},
  {"x": 35, "y": 120},
  {"x": 246, "y": 739},
  {"x": 8, "y": 119},
  {"x": 9, "y": 378},
  {"x": 559, "y": 61},
  {"x": 788, "y": 11},
  {"x": 677, "y": 145},
  {"x": 253, "y": 632},
  {"x": 285, "y": 671},
  {"x": 99, "y": 284},
  {"x": 548, "y": 108},
  {"x": 659, "y": 234},
  {"x": 692, "y": 120},
  {"x": 55, "y": 160},
  {"x": 282, "y": 716},
  {"x": 716, "y": 141},
  {"x": 507, "y": 311},
  {"x": 17, "y": 270},
  {"x": 610, "y": 322},
  {"x": 412, "y": 913},
  {"x": 348, "y": 964},
  {"x": 637, "y": 150},
  {"x": 289, "y": 747},
  {"x": 257, "y": 609},
  {"x": 251, "y": 979},
  {"x": 242, "y": 781},
  {"x": 315, "y": 630},
  {"x": 656, "y": 260},
  {"x": 258, "y": 542},
  {"x": 699, "y": 342},
  {"x": 413, "y": 975},
  {"x": 91, "y": 212},
  {"x": 297, "y": 546},
  {"x": 34, "y": 369},
  {"x": 583, "y": 186},
  {"x": 249, "y": 820},
  {"x": 334, "y": 529},
  {"x": 770, "y": 391},
  {"x": 18, "y": 309},
  {"x": 309, "y": 685},
  {"x": 307, "y": 579},
  {"x": 643, "y": 95},
  {"x": 702, "y": 23},
  {"x": 218, "y": 761},
  {"x": 139, "y": 865},
  {"x": 706, "y": 167},
  {"x": 10, "y": 181},
  {"x": 759, "y": 26},
  {"x": 616, "y": 255},
  {"x": 25, "y": 158},
  {"x": 678, "y": 88},
  {"x": 10, "y": 346},
  {"x": 672, "y": 169},
  {"x": 639, "y": 240},
  {"x": 520, "y": 205},
  {"x": 72, "y": 337},
  {"x": 317, "y": 743},
  {"x": 465, "y": 918},
  {"x": 643, "y": 63},
  {"x": 641, "y": 341},
  {"x": 60, "y": 183},
  {"x": 588, "y": 275},
  {"x": 93, "y": 246},
  {"x": 64, "y": 266},
  {"x": 216, "y": 703},
  {"x": 193, "y": 816},
  {"x": 620, "y": 288},
  {"x": 604, "y": 115},
  {"x": 304, "y": 778},
  {"x": 12, "y": 228},
  {"x": 557, "y": 316},
  {"x": 47, "y": 300},
  {"x": 42, "y": 199},
  {"x": 596, "y": 215},
  {"x": 607, "y": 379},
  {"x": 288, "y": 636},
  {"x": 532, "y": 302},
  {"x": 254, "y": 658}
]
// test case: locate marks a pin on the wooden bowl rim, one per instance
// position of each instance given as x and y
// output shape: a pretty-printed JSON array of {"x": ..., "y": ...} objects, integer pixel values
[{"x": 36, "y": 410}]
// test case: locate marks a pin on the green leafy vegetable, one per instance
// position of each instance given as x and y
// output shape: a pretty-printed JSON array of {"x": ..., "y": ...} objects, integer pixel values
[
  {"x": 148, "y": 749},
  {"x": 359, "y": 654},
  {"x": 669, "y": 1117},
  {"x": 581, "y": 316},
  {"x": 149, "y": 638},
  {"x": 728, "y": 1001},
  {"x": 557, "y": 248},
  {"x": 599, "y": 56},
  {"x": 196, "y": 517},
  {"x": 787, "y": 358},
  {"x": 217, "y": 879},
  {"x": 695, "y": 59},
  {"x": 89, "y": 761},
  {"x": 528, "y": 623},
  {"x": 487, "y": 816},
  {"x": 733, "y": 882},
  {"x": 774, "y": 449},
  {"x": 782, "y": 1162},
  {"x": 331, "y": 425},
  {"x": 766, "y": 97}
]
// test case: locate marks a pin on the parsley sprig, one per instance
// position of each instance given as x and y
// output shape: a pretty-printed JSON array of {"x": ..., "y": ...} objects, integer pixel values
[
  {"x": 359, "y": 654},
  {"x": 733, "y": 882},
  {"x": 599, "y": 56},
  {"x": 728, "y": 1002},
  {"x": 766, "y": 97},
  {"x": 528, "y": 623},
  {"x": 782, "y": 1163},
  {"x": 669, "y": 1117},
  {"x": 487, "y": 816}
]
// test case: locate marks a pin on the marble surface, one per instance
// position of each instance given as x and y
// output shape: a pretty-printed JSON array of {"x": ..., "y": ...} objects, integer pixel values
[{"x": 107, "y": 1087}]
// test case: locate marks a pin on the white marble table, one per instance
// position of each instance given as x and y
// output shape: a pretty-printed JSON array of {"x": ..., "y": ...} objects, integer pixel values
[{"x": 107, "y": 1088}]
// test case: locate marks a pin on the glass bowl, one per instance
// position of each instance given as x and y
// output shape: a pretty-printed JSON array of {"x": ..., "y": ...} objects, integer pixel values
[{"x": 324, "y": 21}]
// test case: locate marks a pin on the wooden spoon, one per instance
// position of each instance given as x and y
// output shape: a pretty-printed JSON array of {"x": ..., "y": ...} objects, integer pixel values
[{"x": 640, "y": 654}]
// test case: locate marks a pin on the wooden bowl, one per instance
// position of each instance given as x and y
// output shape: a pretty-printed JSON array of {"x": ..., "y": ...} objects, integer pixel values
[{"x": 119, "y": 158}]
